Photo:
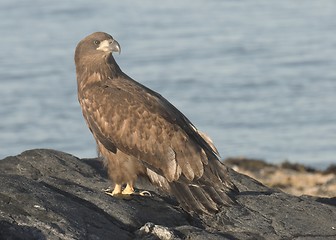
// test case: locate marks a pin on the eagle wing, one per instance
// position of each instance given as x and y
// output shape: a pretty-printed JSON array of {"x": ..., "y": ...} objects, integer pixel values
[{"x": 123, "y": 114}]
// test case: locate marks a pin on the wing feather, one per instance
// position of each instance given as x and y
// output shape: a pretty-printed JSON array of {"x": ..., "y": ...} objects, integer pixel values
[{"x": 140, "y": 122}]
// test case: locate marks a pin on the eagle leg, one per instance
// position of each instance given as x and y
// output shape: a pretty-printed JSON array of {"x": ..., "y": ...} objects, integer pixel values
[
  {"x": 116, "y": 190},
  {"x": 129, "y": 189}
]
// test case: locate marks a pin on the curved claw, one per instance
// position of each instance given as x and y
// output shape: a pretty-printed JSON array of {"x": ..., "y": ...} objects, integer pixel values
[{"x": 145, "y": 194}]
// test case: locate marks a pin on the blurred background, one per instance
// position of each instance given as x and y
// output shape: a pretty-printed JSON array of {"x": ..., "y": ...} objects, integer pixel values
[{"x": 257, "y": 76}]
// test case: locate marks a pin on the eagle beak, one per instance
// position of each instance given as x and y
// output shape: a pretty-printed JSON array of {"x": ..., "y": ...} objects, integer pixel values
[
  {"x": 110, "y": 45},
  {"x": 115, "y": 47}
]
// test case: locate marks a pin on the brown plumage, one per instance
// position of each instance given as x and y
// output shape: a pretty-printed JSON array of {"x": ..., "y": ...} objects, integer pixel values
[{"x": 139, "y": 132}]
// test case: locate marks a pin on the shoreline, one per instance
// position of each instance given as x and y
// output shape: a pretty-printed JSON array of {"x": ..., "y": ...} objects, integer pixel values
[{"x": 292, "y": 178}]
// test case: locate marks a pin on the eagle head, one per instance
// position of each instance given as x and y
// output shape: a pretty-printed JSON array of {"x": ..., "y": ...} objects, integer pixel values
[
  {"x": 96, "y": 44},
  {"x": 93, "y": 54}
]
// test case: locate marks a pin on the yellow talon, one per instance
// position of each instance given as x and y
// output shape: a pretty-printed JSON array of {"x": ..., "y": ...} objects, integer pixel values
[
  {"x": 126, "y": 193},
  {"x": 128, "y": 189}
]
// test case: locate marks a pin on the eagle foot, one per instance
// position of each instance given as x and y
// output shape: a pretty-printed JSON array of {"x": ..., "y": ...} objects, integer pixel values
[
  {"x": 123, "y": 195},
  {"x": 118, "y": 195},
  {"x": 127, "y": 192}
]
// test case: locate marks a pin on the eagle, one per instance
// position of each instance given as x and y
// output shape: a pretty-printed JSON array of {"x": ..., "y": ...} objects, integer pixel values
[{"x": 140, "y": 133}]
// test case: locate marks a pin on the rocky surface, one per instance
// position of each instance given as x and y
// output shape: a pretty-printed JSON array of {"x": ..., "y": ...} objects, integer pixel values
[{"x": 46, "y": 194}]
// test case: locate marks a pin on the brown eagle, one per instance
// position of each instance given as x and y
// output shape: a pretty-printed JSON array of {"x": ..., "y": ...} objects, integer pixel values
[{"x": 138, "y": 132}]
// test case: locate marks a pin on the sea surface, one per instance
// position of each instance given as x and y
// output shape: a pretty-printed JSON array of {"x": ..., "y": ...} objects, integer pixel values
[{"x": 259, "y": 77}]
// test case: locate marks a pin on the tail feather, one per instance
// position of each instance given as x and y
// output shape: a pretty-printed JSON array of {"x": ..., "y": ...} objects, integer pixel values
[
  {"x": 217, "y": 173},
  {"x": 208, "y": 193},
  {"x": 203, "y": 197},
  {"x": 186, "y": 198},
  {"x": 216, "y": 196}
]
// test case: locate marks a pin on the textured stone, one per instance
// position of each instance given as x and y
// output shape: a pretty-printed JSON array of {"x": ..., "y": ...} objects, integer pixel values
[{"x": 46, "y": 194}]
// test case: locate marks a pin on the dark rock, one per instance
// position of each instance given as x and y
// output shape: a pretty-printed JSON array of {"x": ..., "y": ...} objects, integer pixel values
[
  {"x": 46, "y": 194},
  {"x": 247, "y": 163},
  {"x": 331, "y": 169}
]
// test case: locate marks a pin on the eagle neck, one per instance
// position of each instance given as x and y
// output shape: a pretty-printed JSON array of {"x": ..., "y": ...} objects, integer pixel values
[
  {"x": 94, "y": 70},
  {"x": 114, "y": 69}
]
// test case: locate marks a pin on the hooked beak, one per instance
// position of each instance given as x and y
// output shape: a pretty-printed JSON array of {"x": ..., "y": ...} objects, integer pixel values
[{"x": 110, "y": 45}]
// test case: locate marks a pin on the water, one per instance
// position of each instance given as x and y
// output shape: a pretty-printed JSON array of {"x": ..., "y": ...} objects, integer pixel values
[{"x": 258, "y": 77}]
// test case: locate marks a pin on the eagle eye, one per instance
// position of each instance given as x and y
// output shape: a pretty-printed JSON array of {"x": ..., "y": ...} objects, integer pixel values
[{"x": 96, "y": 42}]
